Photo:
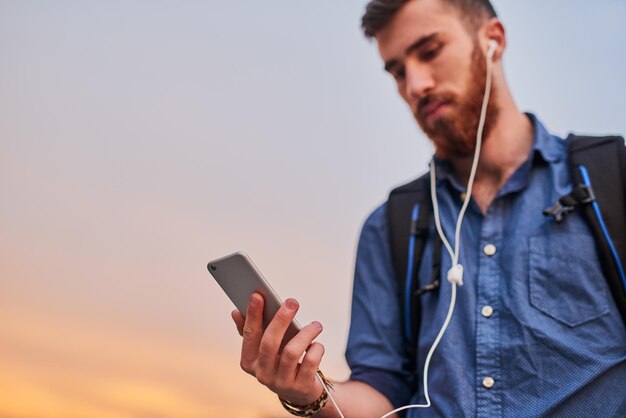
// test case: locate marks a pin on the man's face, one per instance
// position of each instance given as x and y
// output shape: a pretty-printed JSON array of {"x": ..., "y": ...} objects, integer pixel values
[{"x": 440, "y": 72}]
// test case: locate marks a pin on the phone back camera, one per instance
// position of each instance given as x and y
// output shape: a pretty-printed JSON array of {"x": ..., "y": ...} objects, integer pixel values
[{"x": 213, "y": 267}]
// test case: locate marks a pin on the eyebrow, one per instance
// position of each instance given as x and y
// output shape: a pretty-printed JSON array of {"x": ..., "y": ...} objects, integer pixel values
[{"x": 415, "y": 45}]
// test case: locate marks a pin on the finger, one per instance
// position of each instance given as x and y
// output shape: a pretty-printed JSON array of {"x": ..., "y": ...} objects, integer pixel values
[
  {"x": 291, "y": 354},
  {"x": 310, "y": 365},
  {"x": 274, "y": 333},
  {"x": 239, "y": 320},
  {"x": 252, "y": 333}
]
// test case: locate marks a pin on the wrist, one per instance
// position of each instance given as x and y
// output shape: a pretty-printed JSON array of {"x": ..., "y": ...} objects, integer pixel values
[
  {"x": 311, "y": 408},
  {"x": 306, "y": 410}
]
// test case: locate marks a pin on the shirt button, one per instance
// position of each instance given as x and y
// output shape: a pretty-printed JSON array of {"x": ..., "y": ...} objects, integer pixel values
[
  {"x": 487, "y": 311},
  {"x": 463, "y": 196},
  {"x": 489, "y": 249},
  {"x": 488, "y": 382}
]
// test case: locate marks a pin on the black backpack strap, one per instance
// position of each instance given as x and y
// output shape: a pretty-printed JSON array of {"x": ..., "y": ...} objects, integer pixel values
[
  {"x": 598, "y": 171},
  {"x": 409, "y": 212}
]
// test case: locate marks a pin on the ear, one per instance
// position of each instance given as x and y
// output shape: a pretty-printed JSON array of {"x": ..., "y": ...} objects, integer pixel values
[{"x": 493, "y": 30}]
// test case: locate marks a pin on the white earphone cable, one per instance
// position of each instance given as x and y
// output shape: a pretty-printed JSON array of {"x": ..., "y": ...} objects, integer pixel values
[
  {"x": 454, "y": 254},
  {"x": 330, "y": 395}
]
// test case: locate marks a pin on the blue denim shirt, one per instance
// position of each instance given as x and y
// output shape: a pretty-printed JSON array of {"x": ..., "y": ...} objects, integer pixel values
[{"x": 551, "y": 338}]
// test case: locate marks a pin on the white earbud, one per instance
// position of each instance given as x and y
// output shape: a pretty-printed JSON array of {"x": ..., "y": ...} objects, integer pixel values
[{"x": 493, "y": 46}]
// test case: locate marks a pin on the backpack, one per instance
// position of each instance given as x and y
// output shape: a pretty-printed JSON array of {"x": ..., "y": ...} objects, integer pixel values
[{"x": 597, "y": 161}]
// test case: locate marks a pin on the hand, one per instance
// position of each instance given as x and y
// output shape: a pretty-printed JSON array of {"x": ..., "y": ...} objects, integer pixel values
[{"x": 281, "y": 371}]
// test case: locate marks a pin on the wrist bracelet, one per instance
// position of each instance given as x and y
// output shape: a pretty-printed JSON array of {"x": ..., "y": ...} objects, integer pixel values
[{"x": 312, "y": 408}]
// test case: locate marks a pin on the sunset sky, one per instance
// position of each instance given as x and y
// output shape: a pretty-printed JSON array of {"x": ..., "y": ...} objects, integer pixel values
[{"x": 140, "y": 139}]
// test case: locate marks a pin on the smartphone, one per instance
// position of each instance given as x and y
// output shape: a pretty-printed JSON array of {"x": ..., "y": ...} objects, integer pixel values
[{"x": 239, "y": 278}]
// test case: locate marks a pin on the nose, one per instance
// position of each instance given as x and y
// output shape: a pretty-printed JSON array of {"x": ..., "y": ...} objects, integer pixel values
[{"x": 419, "y": 81}]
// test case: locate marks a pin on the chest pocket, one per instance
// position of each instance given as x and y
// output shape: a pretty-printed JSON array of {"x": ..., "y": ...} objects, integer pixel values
[{"x": 568, "y": 288}]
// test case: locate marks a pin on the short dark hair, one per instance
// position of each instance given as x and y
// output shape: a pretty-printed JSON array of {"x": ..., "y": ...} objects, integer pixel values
[{"x": 378, "y": 13}]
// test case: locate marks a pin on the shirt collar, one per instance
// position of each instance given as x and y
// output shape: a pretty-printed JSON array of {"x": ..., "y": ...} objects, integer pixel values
[
  {"x": 548, "y": 146},
  {"x": 545, "y": 145}
]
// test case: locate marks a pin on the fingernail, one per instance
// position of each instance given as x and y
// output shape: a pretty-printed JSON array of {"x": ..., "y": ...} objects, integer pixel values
[
  {"x": 291, "y": 304},
  {"x": 317, "y": 325},
  {"x": 254, "y": 301}
]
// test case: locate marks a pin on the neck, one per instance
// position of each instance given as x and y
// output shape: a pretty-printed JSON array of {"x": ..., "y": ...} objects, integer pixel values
[{"x": 505, "y": 148}]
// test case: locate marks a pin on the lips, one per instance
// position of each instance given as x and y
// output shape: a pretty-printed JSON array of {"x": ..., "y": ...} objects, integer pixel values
[{"x": 432, "y": 109}]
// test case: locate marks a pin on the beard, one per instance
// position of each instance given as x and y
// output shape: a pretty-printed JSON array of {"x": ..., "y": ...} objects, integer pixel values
[{"x": 454, "y": 134}]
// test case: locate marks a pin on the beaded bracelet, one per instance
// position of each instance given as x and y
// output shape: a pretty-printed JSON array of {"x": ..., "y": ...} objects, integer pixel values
[{"x": 312, "y": 408}]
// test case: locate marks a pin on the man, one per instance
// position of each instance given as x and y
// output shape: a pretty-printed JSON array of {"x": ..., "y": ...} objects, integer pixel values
[{"x": 535, "y": 332}]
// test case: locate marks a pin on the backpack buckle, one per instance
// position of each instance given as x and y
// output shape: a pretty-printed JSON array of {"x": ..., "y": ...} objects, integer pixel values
[
  {"x": 558, "y": 211},
  {"x": 581, "y": 195},
  {"x": 428, "y": 288}
]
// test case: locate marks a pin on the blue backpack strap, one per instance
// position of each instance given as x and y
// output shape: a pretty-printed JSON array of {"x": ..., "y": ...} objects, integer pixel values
[
  {"x": 409, "y": 212},
  {"x": 598, "y": 170}
]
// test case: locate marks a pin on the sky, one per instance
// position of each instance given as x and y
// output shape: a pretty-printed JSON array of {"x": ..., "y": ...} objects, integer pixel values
[{"x": 141, "y": 139}]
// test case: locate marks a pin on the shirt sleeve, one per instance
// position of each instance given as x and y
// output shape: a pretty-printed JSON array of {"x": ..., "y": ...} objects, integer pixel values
[{"x": 376, "y": 350}]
